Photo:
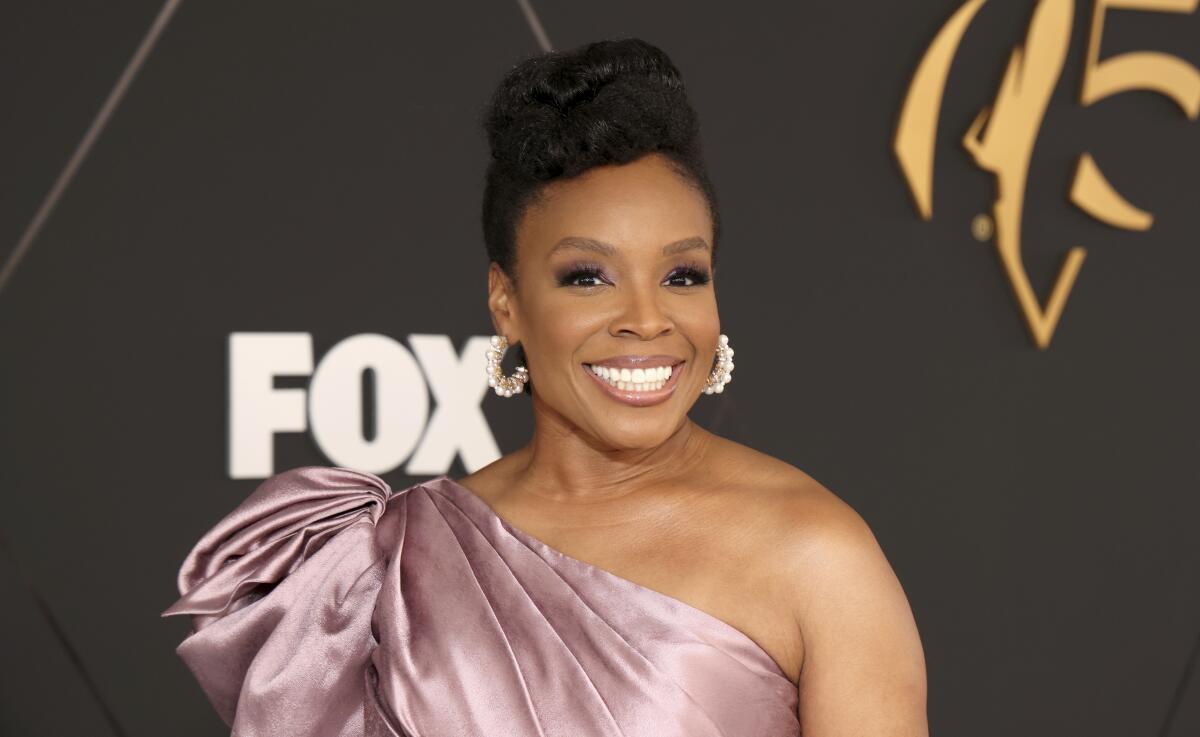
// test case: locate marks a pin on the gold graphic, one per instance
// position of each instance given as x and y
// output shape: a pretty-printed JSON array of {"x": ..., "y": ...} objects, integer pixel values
[
  {"x": 1003, "y": 134},
  {"x": 982, "y": 227}
]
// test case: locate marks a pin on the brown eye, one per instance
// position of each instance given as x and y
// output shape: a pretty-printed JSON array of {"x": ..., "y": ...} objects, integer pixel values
[
  {"x": 687, "y": 276},
  {"x": 582, "y": 276}
]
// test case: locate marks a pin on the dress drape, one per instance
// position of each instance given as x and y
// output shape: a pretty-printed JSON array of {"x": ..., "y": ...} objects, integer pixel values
[{"x": 328, "y": 604}]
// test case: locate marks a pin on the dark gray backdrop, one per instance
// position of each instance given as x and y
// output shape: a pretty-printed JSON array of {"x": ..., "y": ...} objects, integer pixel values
[{"x": 316, "y": 167}]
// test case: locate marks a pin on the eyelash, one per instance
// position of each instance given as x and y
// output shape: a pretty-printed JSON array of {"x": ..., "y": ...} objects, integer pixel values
[{"x": 698, "y": 275}]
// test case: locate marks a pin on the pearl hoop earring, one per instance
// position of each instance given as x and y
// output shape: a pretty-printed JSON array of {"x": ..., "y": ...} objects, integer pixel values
[
  {"x": 721, "y": 373},
  {"x": 505, "y": 386}
]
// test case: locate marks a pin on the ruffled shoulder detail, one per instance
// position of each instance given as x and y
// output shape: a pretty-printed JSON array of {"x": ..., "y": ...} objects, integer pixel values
[
  {"x": 281, "y": 593},
  {"x": 285, "y": 521}
]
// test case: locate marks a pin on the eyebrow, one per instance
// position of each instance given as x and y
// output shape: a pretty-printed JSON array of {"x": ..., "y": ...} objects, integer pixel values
[{"x": 591, "y": 244}]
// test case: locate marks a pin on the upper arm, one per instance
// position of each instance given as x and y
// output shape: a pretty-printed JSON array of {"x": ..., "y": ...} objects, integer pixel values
[{"x": 863, "y": 671}]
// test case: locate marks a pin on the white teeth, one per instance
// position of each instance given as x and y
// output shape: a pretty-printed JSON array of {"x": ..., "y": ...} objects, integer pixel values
[{"x": 636, "y": 380}]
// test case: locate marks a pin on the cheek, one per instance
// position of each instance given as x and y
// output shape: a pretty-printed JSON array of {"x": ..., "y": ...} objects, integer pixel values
[
  {"x": 700, "y": 322},
  {"x": 559, "y": 328},
  {"x": 565, "y": 333}
]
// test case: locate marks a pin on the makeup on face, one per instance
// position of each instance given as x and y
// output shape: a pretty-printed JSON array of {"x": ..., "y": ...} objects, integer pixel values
[
  {"x": 637, "y": 380},
  {"x": 619, "y": 282},
  {"x": 584, "y": 274}
]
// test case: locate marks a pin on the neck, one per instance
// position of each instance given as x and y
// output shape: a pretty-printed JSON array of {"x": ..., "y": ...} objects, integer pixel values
[{"x": 563, "y": 463}]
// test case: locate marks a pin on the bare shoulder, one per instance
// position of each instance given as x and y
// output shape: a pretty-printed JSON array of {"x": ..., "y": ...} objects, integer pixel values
[
  {"x": 856, "y": 630},
  {"x": 792, "y": 510},
  {"x": 857, "y": 634},
  {"x": 801, "y": 535},
  {"x": 813, "y": 535}
]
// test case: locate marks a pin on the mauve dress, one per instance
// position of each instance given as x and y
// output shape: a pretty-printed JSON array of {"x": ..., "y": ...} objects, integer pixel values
[{"x": 328, "y": 604}]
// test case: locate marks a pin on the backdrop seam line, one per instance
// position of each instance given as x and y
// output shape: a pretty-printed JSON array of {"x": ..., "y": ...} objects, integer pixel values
[
  {"x": 85, "y": 144},
  {"x": 56, "y": 629},
  {"x": 535, "y": 25},
  {"x": 1176, "y": 702}
]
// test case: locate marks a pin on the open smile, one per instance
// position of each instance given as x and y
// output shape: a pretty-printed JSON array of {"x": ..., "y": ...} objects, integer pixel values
[{"x": 639, "y": 381}]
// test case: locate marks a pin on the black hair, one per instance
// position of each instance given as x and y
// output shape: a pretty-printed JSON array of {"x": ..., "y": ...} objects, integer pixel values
[{"x": 557, "y": 114}]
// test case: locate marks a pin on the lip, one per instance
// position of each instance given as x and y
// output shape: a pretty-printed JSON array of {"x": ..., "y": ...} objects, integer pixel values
[
  {"x": 632, "y": 398},
  {"x": 633, "y": 361}
]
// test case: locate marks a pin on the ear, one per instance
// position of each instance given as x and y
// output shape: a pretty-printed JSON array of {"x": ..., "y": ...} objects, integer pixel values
[{"x": 502, "y": 303}]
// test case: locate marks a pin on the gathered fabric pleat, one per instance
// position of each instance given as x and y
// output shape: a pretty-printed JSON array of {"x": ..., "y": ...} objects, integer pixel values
[{"x": 328, "y": 604}]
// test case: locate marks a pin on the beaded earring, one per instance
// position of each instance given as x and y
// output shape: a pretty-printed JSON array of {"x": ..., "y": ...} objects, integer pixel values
[
  {"x": 721, "y": 373},
  {"x": 505, "y": 386}
]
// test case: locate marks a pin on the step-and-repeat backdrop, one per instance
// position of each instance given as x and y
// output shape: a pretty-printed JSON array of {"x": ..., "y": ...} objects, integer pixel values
[{"x": 959, "y": 263}]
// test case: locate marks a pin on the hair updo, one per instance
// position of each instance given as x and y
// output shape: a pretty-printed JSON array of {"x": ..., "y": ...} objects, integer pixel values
[{"x": 557, "y": 114}]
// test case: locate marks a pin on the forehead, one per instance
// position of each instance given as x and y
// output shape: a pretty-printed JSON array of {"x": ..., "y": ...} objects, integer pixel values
[{"x": 640, "y": 205}]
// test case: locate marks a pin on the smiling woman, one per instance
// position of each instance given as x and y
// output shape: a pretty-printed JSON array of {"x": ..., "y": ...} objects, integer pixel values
[
  {"x": 613, "y": 268},
  {"x": 626, "y": 572}
]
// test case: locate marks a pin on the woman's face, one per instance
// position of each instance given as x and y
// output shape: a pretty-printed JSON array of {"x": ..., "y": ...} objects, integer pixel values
[{"x": 614, "y": 275}]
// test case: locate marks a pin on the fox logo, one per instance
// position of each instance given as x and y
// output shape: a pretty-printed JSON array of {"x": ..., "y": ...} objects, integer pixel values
[{"x": 1002, "y": 136}]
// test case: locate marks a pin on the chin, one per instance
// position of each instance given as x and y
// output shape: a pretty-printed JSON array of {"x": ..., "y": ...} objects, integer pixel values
[{"x": 634, "y": 434}]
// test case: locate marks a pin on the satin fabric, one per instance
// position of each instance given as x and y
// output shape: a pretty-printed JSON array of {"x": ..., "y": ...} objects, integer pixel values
[{"x": 328, "y": 604}]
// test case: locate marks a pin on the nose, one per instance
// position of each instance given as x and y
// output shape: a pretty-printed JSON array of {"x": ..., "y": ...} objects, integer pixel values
[{"x": 642, "y": 316}]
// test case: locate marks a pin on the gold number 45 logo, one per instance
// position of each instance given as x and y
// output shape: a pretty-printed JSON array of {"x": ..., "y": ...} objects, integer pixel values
[{"x": 1002, "y": 136}]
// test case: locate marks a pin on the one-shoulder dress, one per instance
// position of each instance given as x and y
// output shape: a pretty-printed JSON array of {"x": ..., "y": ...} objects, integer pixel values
[{"x": 328, "y": 605}]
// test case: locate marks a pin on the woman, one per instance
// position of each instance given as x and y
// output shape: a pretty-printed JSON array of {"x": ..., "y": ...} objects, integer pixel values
[{"x": 626, "y": 572}]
